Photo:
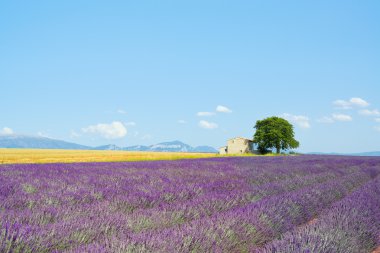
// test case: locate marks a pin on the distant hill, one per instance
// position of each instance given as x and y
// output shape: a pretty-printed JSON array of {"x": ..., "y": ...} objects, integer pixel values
[
  {"x": 373, "y": 153},
  {"x": 172, "y": 146},
  {"x": 108, "y": 147},
  {"x": 23, "y": 141},
  {"x": 205, "y": 149},
  {"x": 136, "y": 148}
]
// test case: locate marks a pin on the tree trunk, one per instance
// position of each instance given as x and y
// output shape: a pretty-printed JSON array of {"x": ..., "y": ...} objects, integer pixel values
[{"x": 278, "y": 149}]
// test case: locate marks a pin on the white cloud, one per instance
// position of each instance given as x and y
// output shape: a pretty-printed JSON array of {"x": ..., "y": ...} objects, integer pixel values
[
  {"x": 334, "y": 118},
  {"x": 181, "y": 121},
  {"x": 202, "y": 114},
  {"x": 207, "y": 125},
  {"x": 221, "y": 108},
  {"x": 353, "y": 102},
  {"x": 6, "y": 131},
  {"x": 359, "y": 102},
  {"x": 377, "y": 128},
  {"x": 342, "y": 117},
  {"x": 113, "y": 130},
  {"x": 121, "y": 111},
  {"x": 299, "y": 120},
  {"x": 377, "y": 120},
  {"x": 341, "y": 104},
  {"x": 326, "y": 120},
  {"x": 367, "y": 112}
]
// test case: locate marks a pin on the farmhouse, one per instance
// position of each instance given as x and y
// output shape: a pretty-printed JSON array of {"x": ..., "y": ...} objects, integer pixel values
[{"x": 238, "y": 145}]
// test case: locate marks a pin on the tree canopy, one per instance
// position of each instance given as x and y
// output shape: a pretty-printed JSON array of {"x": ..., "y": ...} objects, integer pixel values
[{"x": 274, "y": 133}]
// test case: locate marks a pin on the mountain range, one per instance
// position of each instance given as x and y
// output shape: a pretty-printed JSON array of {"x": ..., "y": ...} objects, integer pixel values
[
  {"x": 171, "y": 146},
  {"x": 24, "y": 141}
]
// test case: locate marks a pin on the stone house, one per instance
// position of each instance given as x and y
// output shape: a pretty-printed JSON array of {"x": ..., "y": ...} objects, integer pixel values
[{"x": 238, "y": 145}]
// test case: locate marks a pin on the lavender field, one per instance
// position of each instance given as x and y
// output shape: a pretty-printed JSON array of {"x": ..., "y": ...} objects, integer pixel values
[{"x": 230, "y": 204}]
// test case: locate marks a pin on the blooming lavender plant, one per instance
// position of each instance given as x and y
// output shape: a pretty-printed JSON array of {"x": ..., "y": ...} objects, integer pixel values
[
  {"x": 226, "y": 204},
  {"x": 351, "y": 225}
]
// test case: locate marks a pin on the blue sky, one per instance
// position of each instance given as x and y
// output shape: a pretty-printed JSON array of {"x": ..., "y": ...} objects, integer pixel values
[{"x": 123, "y": 72}]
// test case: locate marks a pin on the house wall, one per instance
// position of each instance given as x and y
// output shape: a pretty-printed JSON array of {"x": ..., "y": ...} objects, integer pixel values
[
  {"x": 223, "y": 150},
  {"x": 238, "y": 146}
]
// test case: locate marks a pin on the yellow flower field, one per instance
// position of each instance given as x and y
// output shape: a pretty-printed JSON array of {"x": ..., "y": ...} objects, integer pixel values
[{"x": 8, "y": 156}]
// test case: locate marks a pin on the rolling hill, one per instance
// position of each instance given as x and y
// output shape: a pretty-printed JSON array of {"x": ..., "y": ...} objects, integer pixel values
[{"x": 24, "y": 141}]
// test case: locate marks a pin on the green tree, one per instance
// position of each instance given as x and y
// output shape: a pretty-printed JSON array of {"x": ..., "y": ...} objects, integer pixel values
[{"x": 274, "y": 133}]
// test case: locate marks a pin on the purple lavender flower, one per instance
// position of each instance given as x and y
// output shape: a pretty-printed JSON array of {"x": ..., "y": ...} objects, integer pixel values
[{"x": 230, "y": 204}]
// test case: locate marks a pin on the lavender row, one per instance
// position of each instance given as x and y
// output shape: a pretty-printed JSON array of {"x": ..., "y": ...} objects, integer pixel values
[
  {"x": 65, "y": 184},
  {"x": 350, "y": 226},
  {"x": 61, "y": 184},
  {"x": 121, "y": 207},
  {"x": 166, "y": 213},
  {"x": 72, "y": 227},
  {"x": 99, "y": 212},
  {"x": 249, "y": 227}
]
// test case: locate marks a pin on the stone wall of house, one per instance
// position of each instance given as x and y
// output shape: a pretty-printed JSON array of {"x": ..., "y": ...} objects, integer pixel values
[
  {"x": 238, "y": 146},
  {"x": 223, "y": 150}
]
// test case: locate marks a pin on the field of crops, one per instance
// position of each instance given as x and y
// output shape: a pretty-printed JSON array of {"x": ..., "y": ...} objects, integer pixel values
[
  {"x": 9, "y": 155},
  {"x": 231, "y": 204}
]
